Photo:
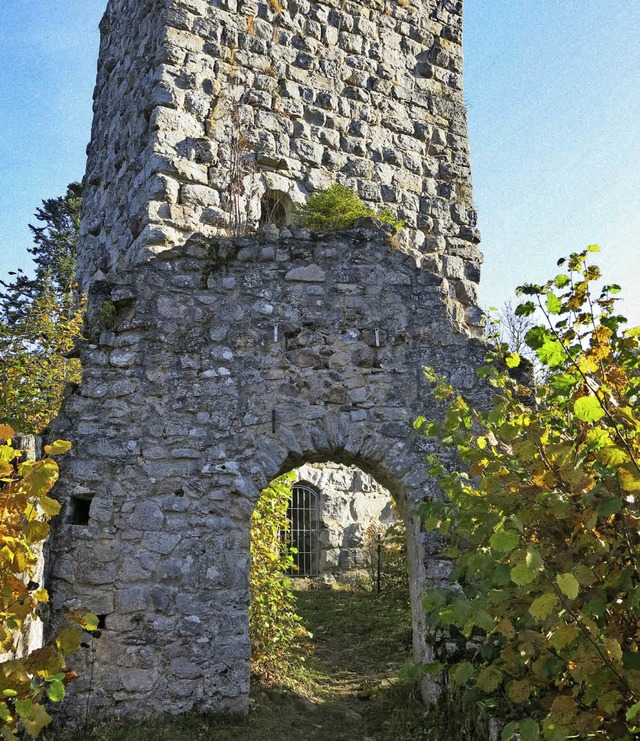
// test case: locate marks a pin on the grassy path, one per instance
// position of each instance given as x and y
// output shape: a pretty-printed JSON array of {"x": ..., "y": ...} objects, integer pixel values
[{"x": 348, "y": 690}]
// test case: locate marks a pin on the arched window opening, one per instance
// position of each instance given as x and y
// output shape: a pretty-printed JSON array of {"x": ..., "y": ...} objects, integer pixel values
[
  {"x": 304, "y": 533},
  {"x": 276, "y": 208}
]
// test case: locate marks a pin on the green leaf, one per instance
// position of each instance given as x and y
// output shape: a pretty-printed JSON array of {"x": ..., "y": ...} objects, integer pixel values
[
  {"x": 523, "y": 575},
  {"x": 568, "y": 585},
  {"x": 588, "y": 409},
  {"x": 509, "y": 731},
  {"x": 593, "y": 248},
  {"x": 432, "y": 669},
  {"x": 526, "y": 309},
  {"x": 24, "y": 708},
  {"x": 554, "y": 305},
  {"x": 564, "y": 381},
  {"x": 610, "y": 506},
  {"x": 504, "y": 541},
  {"x": 534, "y": 559},
  {"x": 551, "y": 353},
  {"x": 561, "y": 281},
  {"x": 462, "y": 672},
  {"x": 56, "y": 691},
  {"x": 542, "y": 606},
  {"x": 529, "y": 730},
  {"x": 536, "y": 337},
  {"x": 633, "y": 711}
]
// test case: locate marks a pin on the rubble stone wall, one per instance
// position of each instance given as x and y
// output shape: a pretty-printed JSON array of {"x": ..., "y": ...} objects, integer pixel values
[
  {"x": 203, "y": 106},
  {"x": 211, "y": 364},
  {"x": 226, "y": 364},
  {"x": 349, "y": 502}
]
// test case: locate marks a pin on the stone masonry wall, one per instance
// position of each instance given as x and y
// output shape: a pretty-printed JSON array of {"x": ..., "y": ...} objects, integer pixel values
[
  {"x": 350, "y": 501},
  {"x": 228, "y": 363},
  {"x": 203, "y": 106},
  {"x": 118, "y": 183},
  {"x": 211, "y": 364}
]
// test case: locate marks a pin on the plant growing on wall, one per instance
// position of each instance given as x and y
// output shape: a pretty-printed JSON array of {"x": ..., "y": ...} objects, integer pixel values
[
  {"x": 338, "y": 207},
  {"x": 27, "y": 682},
  {"x": 279, "y": 640},
  {"x": 543, "y": 528}
]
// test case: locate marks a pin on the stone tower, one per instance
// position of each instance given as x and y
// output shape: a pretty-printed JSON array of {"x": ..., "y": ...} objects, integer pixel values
[{"x": 224, "y": 344}]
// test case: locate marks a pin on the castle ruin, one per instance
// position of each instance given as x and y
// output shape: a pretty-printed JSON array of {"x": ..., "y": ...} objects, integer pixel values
[{"x": 225, "y": 345}]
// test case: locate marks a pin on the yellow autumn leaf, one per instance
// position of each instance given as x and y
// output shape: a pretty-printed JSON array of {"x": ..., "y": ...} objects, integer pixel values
[
  {"x": 488, "y": 678},
  {"x": 59, "y": 447},
  {"x": 563, "y": 636},
  {"x": 563, "y": 710},
  {"x": 6, "y": 432},
  {"x": 69, "y": 640},
  {"x": 50, "y": 507},
  {"x": 520, "y": 690},
  {"x": 39, "y": 719}
]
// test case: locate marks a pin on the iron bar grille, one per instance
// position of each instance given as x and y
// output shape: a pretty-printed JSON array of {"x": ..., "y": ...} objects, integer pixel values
[{"x": 304, "y": 532}]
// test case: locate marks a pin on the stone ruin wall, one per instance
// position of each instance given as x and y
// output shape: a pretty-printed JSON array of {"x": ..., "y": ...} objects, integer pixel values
[
  {"x": 191, "y": 403},
  {"x": 367, "y": 93},
  {"x": 212, "y": 364},
  {"x": 349, "y": 502}
]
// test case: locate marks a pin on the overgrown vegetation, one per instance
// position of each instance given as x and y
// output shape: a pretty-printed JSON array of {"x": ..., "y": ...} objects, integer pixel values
[
  {"x": 354, "y": 685},
  {"x": 543, "y": 530},
  {"x": 279, "y": 640},
  {"x": 386, "y": 558},
  {"x": 28, "y": 681},
  {"x": 338, "y": 207},
  {"x": 40, "y": 319}
]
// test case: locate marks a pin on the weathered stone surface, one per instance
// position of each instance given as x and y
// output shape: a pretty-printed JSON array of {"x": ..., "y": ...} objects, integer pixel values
[
  {"x": 349, "y": 502},
  {"x": 230, "y": 361},
  {"x": 238, "y": 394}
]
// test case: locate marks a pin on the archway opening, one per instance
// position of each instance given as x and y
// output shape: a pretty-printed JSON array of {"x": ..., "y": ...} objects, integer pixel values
[
  {"x": 341, "y": 548},
  {"x": 276, "y": 208}
]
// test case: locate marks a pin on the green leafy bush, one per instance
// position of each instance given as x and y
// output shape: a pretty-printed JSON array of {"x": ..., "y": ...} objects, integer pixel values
[
  {"x": 338, "y": 207},
  {"x": 543, "y": 526},
  {"x": 279, "y": 640}
]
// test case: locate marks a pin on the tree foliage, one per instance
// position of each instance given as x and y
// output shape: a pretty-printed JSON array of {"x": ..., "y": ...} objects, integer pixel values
[
  {"x": 543, "y": 525},
  {"x": 26, "y": 682},
  {"x": 40, "y": 318},
  {"x": 278, "y": 638},
  {"x": 338, "y": 207},
  {"x": 54, "y": 251}
]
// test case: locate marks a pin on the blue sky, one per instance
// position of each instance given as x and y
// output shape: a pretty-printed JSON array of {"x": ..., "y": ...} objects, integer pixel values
[{"x": 553, "y": 91}]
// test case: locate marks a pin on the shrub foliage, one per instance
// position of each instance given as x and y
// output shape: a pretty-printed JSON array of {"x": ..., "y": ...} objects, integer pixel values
[
  {"x": 26, "y": 682},
  {"x": 278, "y": 637},
  {"x": 542, "y": 526},
  {"x": 338, "y": 207}
]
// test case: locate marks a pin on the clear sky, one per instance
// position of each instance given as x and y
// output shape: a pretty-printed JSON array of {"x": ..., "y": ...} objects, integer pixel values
[{"x": 553, "y": 92}]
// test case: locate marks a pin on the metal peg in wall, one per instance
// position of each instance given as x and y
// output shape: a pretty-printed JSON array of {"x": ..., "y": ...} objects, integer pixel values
[
  {"x": 273, "y": 420},
  {"x": 377, "y": 338},
  {"x": 275, "y": 332}
]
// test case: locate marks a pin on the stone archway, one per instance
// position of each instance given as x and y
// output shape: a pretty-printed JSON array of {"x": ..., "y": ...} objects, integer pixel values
[{"x": 228, "y": 363}]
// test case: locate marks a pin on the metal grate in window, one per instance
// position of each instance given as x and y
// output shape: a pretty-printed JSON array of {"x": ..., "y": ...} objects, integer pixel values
[{"x": 304, "y": 533}]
